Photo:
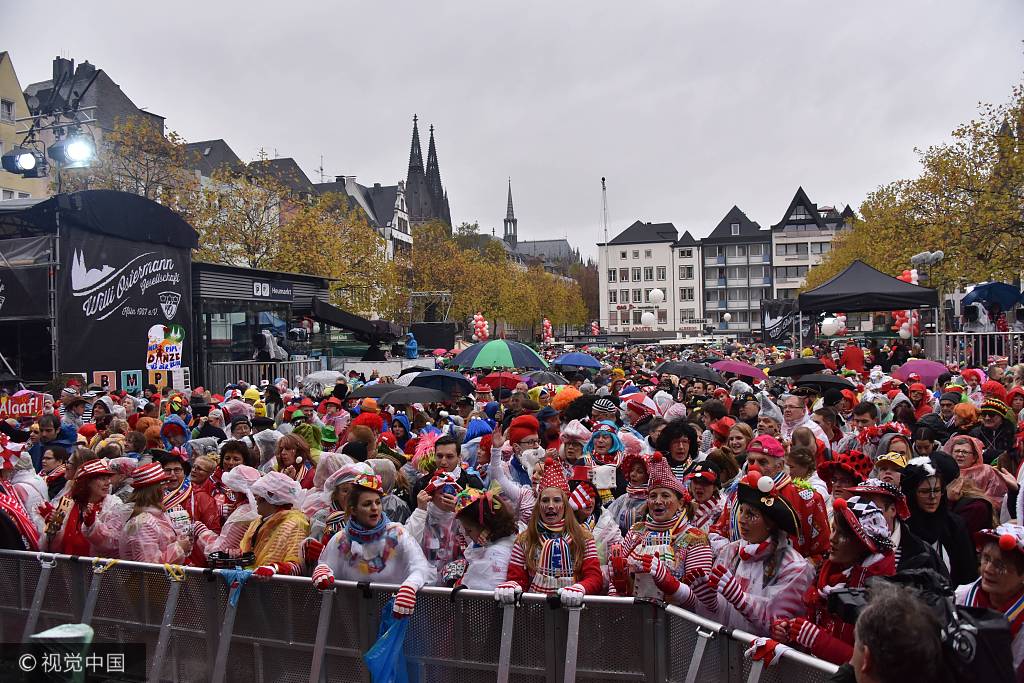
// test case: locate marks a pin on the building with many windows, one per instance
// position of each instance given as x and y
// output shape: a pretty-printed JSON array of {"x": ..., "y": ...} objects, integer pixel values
[
  {"x": 737, "y": 262},
  {"x": 640, "y": 259},
  {"x": 718, "y": 281},
  {"x": 800, "y": 240}
]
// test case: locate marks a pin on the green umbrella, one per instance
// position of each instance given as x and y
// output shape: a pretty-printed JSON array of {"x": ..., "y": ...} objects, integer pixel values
[{"x": 499, "y": 353}]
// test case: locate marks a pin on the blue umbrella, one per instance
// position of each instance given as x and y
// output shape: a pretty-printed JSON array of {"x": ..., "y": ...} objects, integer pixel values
[
  {"x": 999, "y": 293},
  {"x": 444, "y": 380},
  {"x": 578, "y": 360}
]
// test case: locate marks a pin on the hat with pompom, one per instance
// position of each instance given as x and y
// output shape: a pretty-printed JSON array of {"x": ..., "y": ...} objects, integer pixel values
[
  {"x": 553, "y": 477},
  {"x": 1010, "y": 537},
  {"x": 758, "y": 491}
]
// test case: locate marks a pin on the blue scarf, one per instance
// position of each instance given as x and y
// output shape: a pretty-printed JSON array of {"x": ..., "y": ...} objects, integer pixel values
[{"x": 357, "y": 532}]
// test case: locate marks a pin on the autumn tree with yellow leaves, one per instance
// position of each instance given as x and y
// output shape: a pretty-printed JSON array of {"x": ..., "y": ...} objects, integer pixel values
[{"x": 968, "y": 202}]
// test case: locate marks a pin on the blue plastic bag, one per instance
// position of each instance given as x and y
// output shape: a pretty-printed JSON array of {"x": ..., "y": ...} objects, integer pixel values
[{"x": 386, "y": 659}]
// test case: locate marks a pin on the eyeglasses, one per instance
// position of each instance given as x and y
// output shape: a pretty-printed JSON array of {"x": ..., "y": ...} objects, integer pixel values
[
  {"x": 530, "y": 442},
  {"x": 963, "y": 451},
  {"x": 931, "y": 492},
  {"x": 998, "y": 566}
]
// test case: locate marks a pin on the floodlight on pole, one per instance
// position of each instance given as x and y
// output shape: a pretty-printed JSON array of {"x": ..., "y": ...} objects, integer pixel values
[
  {"x": 77, "y": 150},
  {"x": 24, "y": 162}
]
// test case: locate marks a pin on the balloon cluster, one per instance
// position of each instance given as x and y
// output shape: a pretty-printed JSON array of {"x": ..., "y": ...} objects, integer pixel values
[
  {"x": 907, "y": 323},
  {"x": 481, "y": 328},
  {"x": 595, "y": 328},
  {"x": 834, "y": 326},
  {"x": 909, "y": 276},
  {"x": 547, "y": 333}
]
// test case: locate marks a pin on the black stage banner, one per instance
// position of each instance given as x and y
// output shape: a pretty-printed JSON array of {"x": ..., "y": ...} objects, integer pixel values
[
  {"x": 23, "y": 292},
  {"x": 123, "y": 305}
]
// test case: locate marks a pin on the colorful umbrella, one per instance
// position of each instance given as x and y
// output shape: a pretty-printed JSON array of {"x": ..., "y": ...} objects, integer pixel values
[
  {"x": 577, "y": 360},
  {"x": 738, "y": 368},
  {"x": 440, "y": 352},
  {"x": 1006, "y": 296},
  {"x": 499, "y": 353},
  {"x": 505, "y": 380},
  {"x": 929, "y": 370},
  {"x": 444, "y": 380}
]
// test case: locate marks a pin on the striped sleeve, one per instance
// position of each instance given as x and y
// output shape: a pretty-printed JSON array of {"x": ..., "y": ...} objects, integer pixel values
[{"x": 517, "y": 567}]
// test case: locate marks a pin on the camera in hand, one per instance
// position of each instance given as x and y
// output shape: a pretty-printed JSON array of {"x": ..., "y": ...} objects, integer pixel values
[{"x": 976, "y": 641}]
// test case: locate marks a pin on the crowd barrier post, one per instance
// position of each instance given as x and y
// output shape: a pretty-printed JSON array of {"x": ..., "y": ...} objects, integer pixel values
[
  {"x": 572, "y": 642},
  {"x": 175, "y": 575},
  {"x": 227, "y": 628},
  {"x": 316, "y": 672},
  {"x": 508, "y": 615},
  {"x": 46, "y": 567},
  {"x": 704, "y": 635}
]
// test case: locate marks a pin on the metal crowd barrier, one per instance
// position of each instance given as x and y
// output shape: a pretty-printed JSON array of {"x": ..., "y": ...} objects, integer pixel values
[
  {"x": 223, "y": 373},
  {"x": 975, "y": 348},
  {"x": 285, "y": 630}
]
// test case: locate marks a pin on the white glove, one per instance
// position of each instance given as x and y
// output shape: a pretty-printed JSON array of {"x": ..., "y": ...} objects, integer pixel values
[
  {"x": 572, "y": 596},
  {"x": 507, "y": 593}
]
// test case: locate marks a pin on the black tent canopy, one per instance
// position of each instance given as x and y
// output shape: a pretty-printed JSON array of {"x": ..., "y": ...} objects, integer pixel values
[{"x": 862, "y": 288}]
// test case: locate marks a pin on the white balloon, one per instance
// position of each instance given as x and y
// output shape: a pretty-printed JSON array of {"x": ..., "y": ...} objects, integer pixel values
[
  {"x": 829, "y": 327},
  {"x": 476, "y": 338},
  {"x": 648, "y": 319},
  {"x": 657, "y": 296},
  {"x": 727, "y": 317},
  {"x": 904, "y": 333}
]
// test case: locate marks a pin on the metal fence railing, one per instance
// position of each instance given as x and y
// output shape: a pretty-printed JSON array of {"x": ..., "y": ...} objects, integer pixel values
[
  {"x": 221, "y": 374},
  {"x": 975, "y": 348},
  {"x": 285, "y": 630}
]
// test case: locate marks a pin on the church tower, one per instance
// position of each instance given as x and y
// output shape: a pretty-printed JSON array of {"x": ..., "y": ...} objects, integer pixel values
[
  {"x": 417, "y": 194},
  {"x": 511, "y": 224}
]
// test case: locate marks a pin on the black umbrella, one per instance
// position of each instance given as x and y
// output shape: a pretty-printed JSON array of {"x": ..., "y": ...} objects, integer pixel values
[
  {"x": 825, "y": 382},
  {"x": 546, "y": 377},
  {"x": 373, "y": 390},
  {"x": 404, "y": 396},
  {"x": 795, "y": 367},
  {"x": 444, "y": 380},
  {"x": 413, "y": 368},
  {"x": 684, "y": 368}
]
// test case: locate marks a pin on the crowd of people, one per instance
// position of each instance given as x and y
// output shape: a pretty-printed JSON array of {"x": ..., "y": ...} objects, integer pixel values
[{"x": 749, "y": 503}]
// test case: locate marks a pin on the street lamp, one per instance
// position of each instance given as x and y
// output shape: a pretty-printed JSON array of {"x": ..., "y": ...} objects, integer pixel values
[{"x": 926, "y": 261}]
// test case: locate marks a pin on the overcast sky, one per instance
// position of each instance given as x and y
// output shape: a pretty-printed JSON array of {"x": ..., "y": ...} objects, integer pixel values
[{"x": 687, "y": 106}]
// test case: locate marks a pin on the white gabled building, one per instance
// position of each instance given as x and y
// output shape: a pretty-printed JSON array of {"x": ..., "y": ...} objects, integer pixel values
[
  {"x": 640, "y": 259},
  {"x": 800, "y": 241}
]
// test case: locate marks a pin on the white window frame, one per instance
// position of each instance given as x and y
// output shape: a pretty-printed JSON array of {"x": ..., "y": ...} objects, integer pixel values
[
  {"x": 4, "y": 102},
  {"x": 613, "y": 275},
  {"x": 734, "y": 229},
  {"x": 661, "y": 272},
  {"x": 613, "y": 296}
]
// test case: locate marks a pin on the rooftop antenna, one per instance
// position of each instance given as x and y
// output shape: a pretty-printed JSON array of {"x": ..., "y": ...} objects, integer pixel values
[{"x": 321, "y": 168}]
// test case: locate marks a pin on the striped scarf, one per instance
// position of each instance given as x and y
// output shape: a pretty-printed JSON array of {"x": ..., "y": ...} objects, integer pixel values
[
  {"x": 179, "y": 495},
  {"x": 54, "y": 474},
  {"x": 1014, "y": 613},
  {"x": 11, "y": 504},
  {"x": 667, "y": 525},
  {"x": 636, "y": 491},
  {"x": 555, "y": 554},
  {"x": 705, "y": 512}
]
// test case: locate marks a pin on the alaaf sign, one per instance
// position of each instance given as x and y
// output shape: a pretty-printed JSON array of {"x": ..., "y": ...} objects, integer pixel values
[{"x": 113, "y": 292}]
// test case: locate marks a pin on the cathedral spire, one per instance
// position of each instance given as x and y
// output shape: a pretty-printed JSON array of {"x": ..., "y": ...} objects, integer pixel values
[
  {"x": 434, "y": 173},
  {"x": 416, "y": 152},
  {"x": 511, "y": 235}
]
